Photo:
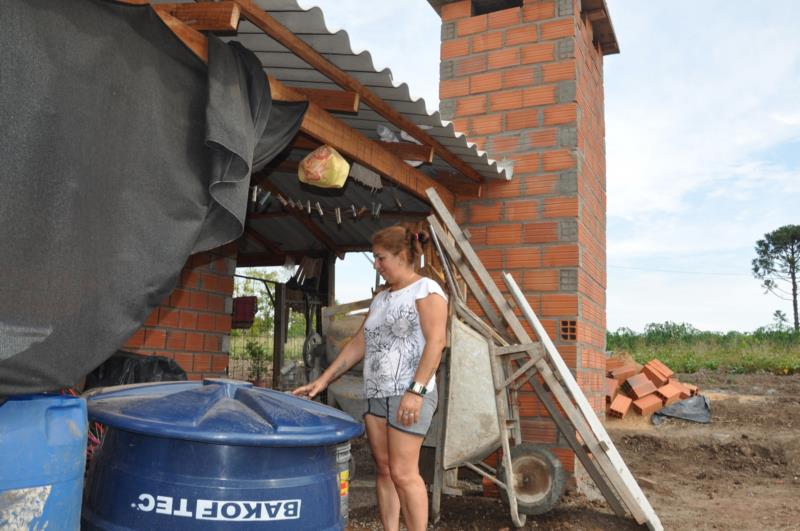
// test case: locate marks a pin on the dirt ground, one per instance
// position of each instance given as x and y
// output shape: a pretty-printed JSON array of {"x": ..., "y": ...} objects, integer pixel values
[{"x": 741, "y": 472}]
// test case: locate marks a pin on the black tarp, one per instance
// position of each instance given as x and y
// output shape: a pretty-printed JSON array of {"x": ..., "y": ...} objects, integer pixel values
[
  {"x": 124, "y": 368},
  {"x": 695, "y": 408},
  {"x": 121, "y": 153}
]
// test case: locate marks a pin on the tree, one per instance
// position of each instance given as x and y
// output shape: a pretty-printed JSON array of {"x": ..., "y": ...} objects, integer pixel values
[
  {"x": 776, "y": 264},
  {"x": 262, "y": 324}
]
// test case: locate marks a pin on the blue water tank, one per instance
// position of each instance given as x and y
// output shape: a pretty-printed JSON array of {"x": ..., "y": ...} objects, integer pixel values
[
  {"x": 42, "y": 461},
  {"x": 216, "y": 454}
]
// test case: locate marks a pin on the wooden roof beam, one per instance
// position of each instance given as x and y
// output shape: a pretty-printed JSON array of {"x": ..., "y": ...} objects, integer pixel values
[
  {"x": 299, "y": 47},
  {"x": 208, "y": 16},
  {"x": 409, "y": 151},
  {"x": 333, "y": 100},
  {"x": 403, "y": 150}
]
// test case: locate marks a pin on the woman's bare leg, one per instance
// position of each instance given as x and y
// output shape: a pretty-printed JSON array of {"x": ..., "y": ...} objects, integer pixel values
[
  {"x": 404, "y": 451},
  {"x": 388, "y": 500}
]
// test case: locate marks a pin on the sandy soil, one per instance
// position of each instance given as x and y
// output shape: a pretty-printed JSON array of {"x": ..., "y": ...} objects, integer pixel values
[{"x": 741, "y": 472}]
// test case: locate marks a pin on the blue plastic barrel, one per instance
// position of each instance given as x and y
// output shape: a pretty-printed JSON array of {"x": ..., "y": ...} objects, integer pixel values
[
  {"x": 216, "y": 454},
  {"x": 42, "y": 461}
]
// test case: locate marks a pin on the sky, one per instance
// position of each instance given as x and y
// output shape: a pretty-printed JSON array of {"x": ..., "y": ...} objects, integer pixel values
[{"x": 702, "y": 141}]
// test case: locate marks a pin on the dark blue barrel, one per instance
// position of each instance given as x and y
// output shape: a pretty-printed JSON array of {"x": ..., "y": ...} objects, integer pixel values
[
  {"x": 216, "y": 454},
  {"x": 42, "y": 461}
]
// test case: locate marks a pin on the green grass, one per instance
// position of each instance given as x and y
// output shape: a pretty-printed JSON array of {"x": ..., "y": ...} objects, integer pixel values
[{"x": 685, "y": 349}]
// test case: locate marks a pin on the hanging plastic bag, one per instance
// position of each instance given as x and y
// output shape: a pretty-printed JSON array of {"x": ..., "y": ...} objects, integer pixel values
[{"x": 324, "y": 167}]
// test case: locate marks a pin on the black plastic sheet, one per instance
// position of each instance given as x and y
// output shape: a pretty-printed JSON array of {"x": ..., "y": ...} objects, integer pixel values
[
  {"x": 121, "y": 153},
  {"x": 129, "y": 368},
  {"x": 695, "y": 408}
]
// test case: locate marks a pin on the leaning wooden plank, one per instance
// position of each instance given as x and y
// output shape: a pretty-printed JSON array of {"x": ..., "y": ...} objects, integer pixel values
[
  {"x": 471, "y": 258},
  {"x": 449, "y": 248},
  {"x": 588, "y": 464},
  {"x": 583, "y": 404},
  {"x": 597, "y": 447}
]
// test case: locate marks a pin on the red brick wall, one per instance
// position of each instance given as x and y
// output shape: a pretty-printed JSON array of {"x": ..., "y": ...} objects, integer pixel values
[
  {"x": 592, "y": 220},
  {"x": 193, "y": 324},
  {"x": 527, "y": 84}
]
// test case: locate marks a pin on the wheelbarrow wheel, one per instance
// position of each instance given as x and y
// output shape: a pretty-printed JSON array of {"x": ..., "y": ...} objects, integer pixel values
[{"x": 539, "y": 478}]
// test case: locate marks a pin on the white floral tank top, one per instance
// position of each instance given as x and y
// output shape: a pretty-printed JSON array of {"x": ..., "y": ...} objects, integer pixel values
[{"x": 394, "y": 340}]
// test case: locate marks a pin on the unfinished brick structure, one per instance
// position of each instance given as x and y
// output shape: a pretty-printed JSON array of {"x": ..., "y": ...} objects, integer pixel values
[{"x": 526, "y": 83}]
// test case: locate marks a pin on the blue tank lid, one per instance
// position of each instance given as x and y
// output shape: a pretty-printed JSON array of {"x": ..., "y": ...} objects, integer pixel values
[{"x": 222, "y": 412}]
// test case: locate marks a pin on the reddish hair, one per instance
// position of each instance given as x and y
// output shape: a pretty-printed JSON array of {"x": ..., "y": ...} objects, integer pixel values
[{"x": 398, "y": 239}]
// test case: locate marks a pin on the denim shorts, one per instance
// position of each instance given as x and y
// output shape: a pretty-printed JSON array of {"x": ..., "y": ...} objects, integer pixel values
[{"x": 386, "y": 408}]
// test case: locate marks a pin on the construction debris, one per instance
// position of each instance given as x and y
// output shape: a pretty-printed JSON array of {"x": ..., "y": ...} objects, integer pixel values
[{"x": 646, "y": 388}]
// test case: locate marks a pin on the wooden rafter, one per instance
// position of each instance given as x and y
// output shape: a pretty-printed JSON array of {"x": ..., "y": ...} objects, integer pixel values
[
  {"x": 459, "y": 186},
  {"x": 296, "y": 45},
  {"x": 193, "y": 39},
  {"x": 403, "y": 150},
  {"x": 216, "y": 16},
  {"x": 332, "y": 100},
  {"x": 409, "y": 151},
  {"x": 312, "y": 227}
]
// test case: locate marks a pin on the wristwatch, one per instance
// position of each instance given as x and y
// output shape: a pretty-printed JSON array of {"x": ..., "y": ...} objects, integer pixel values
[{"x": 417, "y": 388}]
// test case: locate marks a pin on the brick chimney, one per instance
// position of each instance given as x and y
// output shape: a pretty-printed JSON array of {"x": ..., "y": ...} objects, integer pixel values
[{"x": 524, "y": 80}]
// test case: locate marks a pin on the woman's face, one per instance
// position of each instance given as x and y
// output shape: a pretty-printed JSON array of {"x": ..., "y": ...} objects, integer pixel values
[{"x": 392, "y": 267}]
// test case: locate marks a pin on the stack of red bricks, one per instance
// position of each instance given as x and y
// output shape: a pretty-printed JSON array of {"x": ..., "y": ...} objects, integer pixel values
[{"x": 643, "y": 389}]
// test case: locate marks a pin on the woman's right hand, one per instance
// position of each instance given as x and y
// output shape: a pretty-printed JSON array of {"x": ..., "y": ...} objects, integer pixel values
[{"x": 310, "y": 390}]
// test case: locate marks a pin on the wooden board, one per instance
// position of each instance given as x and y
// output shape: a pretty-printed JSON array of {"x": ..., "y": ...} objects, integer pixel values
[{"x": 602, "y": 437}]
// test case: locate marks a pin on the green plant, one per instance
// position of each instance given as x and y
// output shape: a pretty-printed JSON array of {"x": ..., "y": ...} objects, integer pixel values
[
  {"x": 686, "y": 349},
  {"x": 257, "y": 354}
]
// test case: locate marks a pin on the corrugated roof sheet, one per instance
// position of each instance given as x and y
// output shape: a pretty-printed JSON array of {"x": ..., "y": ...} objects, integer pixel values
[
  {"x": 289, "y": 233},
  {"x": 310, "y": 26}
]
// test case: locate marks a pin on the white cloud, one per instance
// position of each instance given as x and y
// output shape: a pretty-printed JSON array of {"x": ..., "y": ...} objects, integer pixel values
[
  {"x": 689, "y": 99},
  {"x": 698, "y": 106}
]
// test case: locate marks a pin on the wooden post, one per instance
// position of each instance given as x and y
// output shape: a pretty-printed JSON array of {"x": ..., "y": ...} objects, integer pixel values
[{"x": 279, "y": 334}]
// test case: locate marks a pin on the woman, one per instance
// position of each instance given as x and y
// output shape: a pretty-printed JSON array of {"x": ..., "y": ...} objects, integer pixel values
[{"x": 402, "y": 339}]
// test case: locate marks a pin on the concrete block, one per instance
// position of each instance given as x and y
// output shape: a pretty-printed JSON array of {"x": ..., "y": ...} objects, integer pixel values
[
  {"x": 568, "y": 230},
  {"x": 447, "y": 70},
  {"x": 568, "y": 182},
  {"x": 538, "y": 75},
  {"x": 447, "y": 109},
  {"x": 565, "y": 48},
  {"x": 566, "y": 91},
  {"x": 568, "y": 136},
  {"x": 448, "y": 31},
  {"x": 564, "y": 8},
  {"x": 568, "y": 279}
]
